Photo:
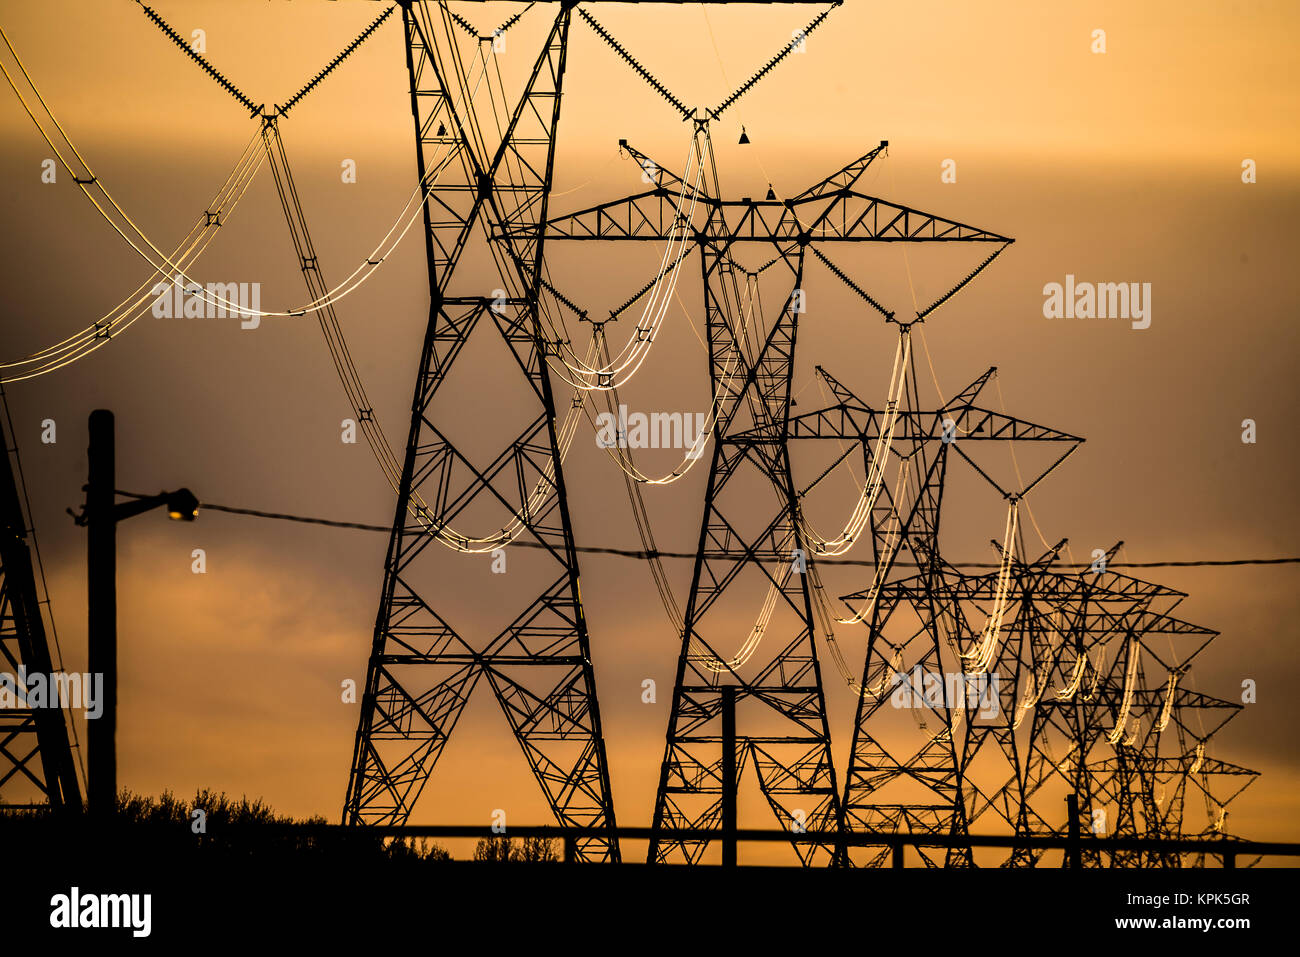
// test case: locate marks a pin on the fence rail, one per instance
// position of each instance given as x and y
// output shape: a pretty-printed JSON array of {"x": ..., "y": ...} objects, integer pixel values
[{"x": 1075, "y": 844}]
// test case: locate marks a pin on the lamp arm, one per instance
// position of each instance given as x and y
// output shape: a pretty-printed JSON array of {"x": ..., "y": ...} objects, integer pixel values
[{"x": 125, "y": 510}]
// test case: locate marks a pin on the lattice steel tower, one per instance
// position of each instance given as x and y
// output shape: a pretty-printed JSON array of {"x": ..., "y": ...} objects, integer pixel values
[
  {"x": 421, "y": 670},
  {"x": 748, "y": 542},
  {"x": 36, "y": 765}
]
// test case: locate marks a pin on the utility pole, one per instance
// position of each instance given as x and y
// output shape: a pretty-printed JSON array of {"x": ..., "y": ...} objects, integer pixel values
[
  {"x": 100, "y": 516},
  {"x": 101, "y": 604}
]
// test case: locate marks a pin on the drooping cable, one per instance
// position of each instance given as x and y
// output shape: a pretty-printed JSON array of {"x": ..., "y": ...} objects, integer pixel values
[
  {"x": 140, "y": 301},
  {"x": 166, "y": 265},
  {"x": 732, "y": 364},
  {"x": 985, "y": 650},
  {"x": 857, "y": 520},
  {"x": 1167, "y": 708},
  {"x": 629, "y": 360},
  {"x": 1126, "y": 701}
]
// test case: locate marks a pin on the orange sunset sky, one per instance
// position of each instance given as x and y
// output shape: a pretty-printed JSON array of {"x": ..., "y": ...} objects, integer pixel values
[{"x": 1122, "y": 166}]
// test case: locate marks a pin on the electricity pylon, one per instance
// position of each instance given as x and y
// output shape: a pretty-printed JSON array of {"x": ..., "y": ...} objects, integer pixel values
[
  {"x": 905, "y": 517},
  {"x": 421, "y": 669},
  {"x": 1114, "y": 723},
  {"x": 744, "y": 545},
  {"x": 36, "y": 766}
]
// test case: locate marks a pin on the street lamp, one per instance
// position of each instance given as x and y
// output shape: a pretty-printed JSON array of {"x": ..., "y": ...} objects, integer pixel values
[
  {"x": 182, "y": 506},
  {"x": 100, "y": 515}
]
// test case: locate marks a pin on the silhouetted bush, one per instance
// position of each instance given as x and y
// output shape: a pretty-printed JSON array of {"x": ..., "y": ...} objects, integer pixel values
[
  {"x": 228, "y": 827},
  {"x": 502, "y": 849}
]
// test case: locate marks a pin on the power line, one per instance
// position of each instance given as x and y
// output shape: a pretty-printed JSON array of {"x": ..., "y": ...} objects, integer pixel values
[{"x": 659, "y": 553}]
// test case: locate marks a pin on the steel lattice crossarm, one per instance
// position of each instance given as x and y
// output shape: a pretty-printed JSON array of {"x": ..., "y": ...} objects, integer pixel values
[
  {"x": 846, "y": 216},
  {"x": 1177, "y": 768},
  {"x": 1178, "y": 764},
  {"x": 828, "y": 211},
  {"x": 921, "y": 442},
  {"x": 1187, "y": 702},
  {"x": 849, "y": 422}
]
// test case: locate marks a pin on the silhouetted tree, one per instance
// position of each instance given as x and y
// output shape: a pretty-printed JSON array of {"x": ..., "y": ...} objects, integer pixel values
[
  {"x": 493, "y": 849},
  {"x": 502, "y": 849},
  {"x": 535, "y": 849},
  {"x": 407, "y": 850}
]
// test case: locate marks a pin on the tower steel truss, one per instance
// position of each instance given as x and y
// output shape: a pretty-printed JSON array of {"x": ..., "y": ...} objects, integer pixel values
[
  {"x": 1114, "y": 724},
  {"x": 905, "y": 518},
  {"x": 422, "y": 670},
  {"x": 784, "y": 735},
  {"x": 36, "y": 765},
  {"x": 406, "y": 720}
]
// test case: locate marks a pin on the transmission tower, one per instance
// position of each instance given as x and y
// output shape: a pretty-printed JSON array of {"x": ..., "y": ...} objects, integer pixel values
[
  {"x": 904, "y": 517},
  {"x": 1115, "y": 725},
  {"x": 36, "y": 765},
  {"x": 406, "y": 720},
  {"x": 422, "y": 670},
  {"x": 785, "y": 736}
]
